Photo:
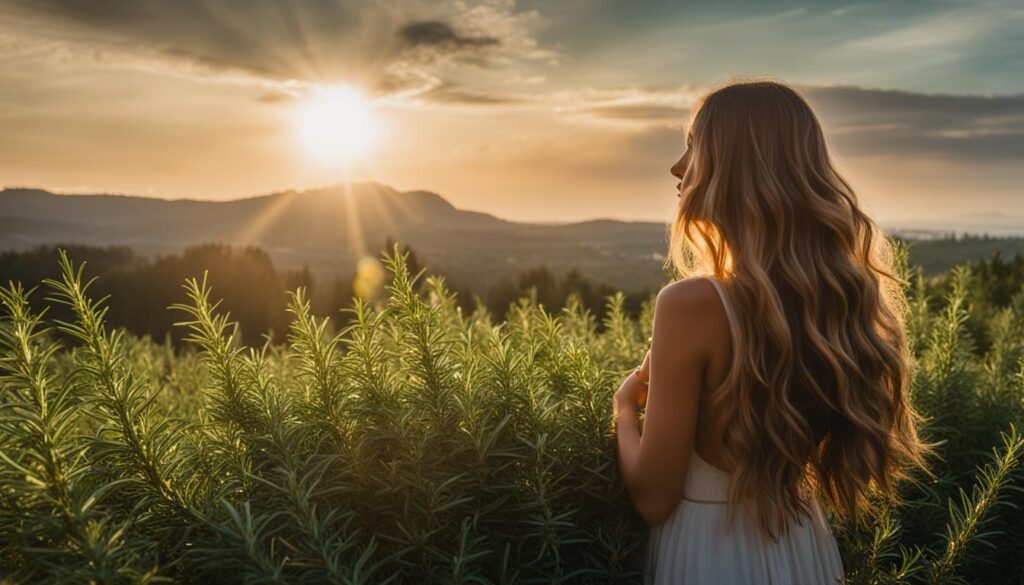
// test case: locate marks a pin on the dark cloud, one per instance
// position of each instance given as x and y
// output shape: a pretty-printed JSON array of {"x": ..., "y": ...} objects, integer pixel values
[
  {"x": 863, "y": 121},
  {"x": 967, "y": 127},
  {"x": 435, "y": 41},
  {"x": 283, "y": 40},
  {"x": 440, "y": 35},
  {"x": 270, "y": 39},
  {"x": 104, "y": 12}
]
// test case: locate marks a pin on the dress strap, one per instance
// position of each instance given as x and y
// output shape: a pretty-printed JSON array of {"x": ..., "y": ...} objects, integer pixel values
[{"x": 729, "y": 314}]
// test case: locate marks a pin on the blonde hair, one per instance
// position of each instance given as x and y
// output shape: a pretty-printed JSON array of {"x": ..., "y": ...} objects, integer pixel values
[{"x": 816, "y": 398}]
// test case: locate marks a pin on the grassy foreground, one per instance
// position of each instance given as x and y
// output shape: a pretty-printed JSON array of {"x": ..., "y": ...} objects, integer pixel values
[{"x": 423, "y": 445}]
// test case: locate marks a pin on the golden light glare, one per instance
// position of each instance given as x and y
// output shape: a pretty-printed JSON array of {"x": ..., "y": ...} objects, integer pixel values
[
  {"x": 369, "y": 277},
  {"x": 336, "y": 125}
]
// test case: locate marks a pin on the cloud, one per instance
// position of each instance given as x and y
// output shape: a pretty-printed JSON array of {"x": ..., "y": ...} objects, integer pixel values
[
  {"x": 629, "y": 106},
  {"x": 450, "y": 93},
  {"x": 860, "y": 121},
  {"x": 275, "y": 97},
  {"x": 440, "y": 34},
  {"x": 469, "y": 54},
  {"x": 431, "y": 42},
  {"x": 955, "y": 27},
  {"x": 399, "y": 45},
  {"x": 640, "y": 112},
  {"x": 965, "y": 127}
]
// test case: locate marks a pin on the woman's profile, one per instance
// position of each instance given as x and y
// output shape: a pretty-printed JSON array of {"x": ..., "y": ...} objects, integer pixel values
[{"x": 777, "y": 380}]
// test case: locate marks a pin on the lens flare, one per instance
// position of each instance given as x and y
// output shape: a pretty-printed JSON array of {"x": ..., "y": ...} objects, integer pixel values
[{"x": 369, "y": 278}]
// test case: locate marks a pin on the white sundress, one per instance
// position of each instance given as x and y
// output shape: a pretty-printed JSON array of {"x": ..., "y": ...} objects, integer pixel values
[{"x": 695, "y": 545}]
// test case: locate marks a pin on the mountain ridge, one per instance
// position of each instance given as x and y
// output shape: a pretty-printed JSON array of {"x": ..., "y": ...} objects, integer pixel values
[
  {"x": 329, "y": 228},
  {"x": 425, "y": 193}
]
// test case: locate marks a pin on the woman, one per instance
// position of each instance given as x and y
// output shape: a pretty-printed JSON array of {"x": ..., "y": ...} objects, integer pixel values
[{"x": 777, "y": 374}]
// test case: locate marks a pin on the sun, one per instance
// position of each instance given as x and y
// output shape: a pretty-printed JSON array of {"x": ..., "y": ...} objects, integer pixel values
[{"x": 336, "y": 124}]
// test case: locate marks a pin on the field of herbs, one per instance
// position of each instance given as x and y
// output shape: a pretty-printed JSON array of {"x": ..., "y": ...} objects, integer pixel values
[{"x": 419, "y": 444}]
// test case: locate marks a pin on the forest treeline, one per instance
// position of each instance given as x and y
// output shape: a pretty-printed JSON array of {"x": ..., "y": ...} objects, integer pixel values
[{"x": 254, "y": 291}]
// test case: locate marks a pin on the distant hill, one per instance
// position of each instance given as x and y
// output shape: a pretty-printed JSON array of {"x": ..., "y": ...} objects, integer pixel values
[
  {"x": 936, "y": 255},
  {"x": 328, "y": 229}
]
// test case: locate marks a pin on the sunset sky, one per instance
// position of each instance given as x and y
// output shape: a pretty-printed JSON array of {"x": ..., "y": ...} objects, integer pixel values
[{"x": 550, "y": 111}]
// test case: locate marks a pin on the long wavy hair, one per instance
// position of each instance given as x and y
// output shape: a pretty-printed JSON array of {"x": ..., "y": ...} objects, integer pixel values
[{"x": 815, "y": 403}]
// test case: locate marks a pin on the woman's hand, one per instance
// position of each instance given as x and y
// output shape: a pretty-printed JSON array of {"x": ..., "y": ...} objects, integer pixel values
[
  {"x": 632, "y": 393},
  {"x": 645, "y": 368},
  {"x": 644, "y": 373},
  {"x": 627, "y": 397}
]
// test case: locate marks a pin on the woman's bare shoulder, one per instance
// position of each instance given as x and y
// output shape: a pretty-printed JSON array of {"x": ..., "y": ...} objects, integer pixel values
[
  {"x": 695, "y": 292},
  {"x": 694, "y": 306}
]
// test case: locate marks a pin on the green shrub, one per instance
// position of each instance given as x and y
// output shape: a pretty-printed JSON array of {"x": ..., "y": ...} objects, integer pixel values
[{"x": 420, "y": 444}]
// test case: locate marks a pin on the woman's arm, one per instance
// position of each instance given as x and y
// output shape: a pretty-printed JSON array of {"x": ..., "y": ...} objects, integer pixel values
[{"x": 653, "y": 464}]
